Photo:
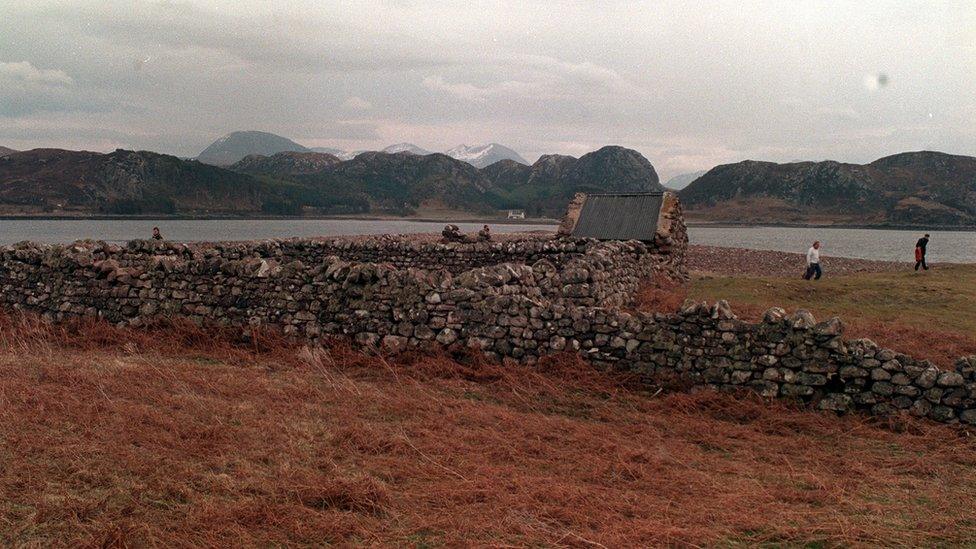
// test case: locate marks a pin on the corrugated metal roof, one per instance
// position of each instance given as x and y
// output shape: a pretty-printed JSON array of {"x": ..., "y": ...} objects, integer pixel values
[{"x": 622, "y": 216}]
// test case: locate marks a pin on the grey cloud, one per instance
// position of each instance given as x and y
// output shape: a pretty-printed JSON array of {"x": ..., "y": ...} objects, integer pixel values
[
  {"x": 26, "y": 89},
  {"x": 278, "y": 43},
  {"x": 25, "y": 73},
  {"x": 686, "y": 84},
  {"x": 345, "y": 130}
]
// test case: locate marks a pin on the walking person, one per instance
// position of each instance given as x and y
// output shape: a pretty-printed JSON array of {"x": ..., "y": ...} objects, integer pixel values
[
  {"x": 813, "y": 262},
  {"x": 920, "y": 252}
]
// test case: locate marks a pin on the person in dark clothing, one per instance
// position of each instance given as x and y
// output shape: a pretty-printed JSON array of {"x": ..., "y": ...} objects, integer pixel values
[
  {"x": 920, "y": 252},
  {"x": 452, "y": 233},
  {"x": 484, "y": 234},
  {"x": 156, "y": 234}
]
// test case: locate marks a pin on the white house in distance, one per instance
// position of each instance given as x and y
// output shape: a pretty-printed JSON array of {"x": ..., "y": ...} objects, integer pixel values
[{"x": 516, "y": 214}]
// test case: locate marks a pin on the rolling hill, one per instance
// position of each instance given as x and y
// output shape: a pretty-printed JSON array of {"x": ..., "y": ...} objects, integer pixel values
[
  {"x": 404, "y": 182},
  {"x": 912, "y": 188},
  {"x": 285, "y": 164},
  {"x": 296, "y": 183},
  {"x": 124, "y": 182}
]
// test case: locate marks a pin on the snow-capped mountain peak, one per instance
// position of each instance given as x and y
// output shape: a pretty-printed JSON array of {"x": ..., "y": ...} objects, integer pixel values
[
  {"x": 480, "y": 156},
  {"x": 406, "y": 147},
  {"x": 338, "y": 153}
]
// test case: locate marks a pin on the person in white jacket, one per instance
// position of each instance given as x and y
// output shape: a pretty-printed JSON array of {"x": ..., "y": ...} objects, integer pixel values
[{"x": 813, "y": 262}]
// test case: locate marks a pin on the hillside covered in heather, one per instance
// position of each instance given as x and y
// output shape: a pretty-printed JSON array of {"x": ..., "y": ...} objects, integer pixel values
[
  {"x": 912, "y": 188},
  {"x": 126, "y": 182}
]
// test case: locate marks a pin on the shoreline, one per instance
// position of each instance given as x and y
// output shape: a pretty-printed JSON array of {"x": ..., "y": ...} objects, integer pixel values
[
  {"x": 215, "y": 217},
  {"x": 879, "y": 227},
  {"x": 696, "y": 223}
]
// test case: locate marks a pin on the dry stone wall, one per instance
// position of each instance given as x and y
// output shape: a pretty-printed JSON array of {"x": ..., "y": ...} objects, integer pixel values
[
  {"x": 306, "y": 286},
  {"x": 790, "y": 356},
  {"x": 554, "y": 295}
]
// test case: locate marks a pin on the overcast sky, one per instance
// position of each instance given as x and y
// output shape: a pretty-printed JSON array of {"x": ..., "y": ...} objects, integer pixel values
[{"x": 690, "y": 85}]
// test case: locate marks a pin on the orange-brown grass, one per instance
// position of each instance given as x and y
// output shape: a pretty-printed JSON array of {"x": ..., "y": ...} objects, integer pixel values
[
  {"x": 930, "y": 315},
  {"x": 178, "y": 436},
  {"x": 664, "y": 297}
]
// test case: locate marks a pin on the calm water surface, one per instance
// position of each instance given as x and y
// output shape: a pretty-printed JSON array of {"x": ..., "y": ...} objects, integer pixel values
[
  {"x": 883, "y": 244},
  {"x": 893, "y": 245},
  {"x": 188, "y": 230}
]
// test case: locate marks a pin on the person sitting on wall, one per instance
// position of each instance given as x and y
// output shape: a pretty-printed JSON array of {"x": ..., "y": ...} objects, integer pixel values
[
  {"x": 484, "y": 234},
  {"x": 156, "y": 234},
  {"x": 452, "y": 233}
]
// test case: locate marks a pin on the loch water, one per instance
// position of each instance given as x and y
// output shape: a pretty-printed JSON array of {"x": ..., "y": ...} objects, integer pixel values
[{"x": 881, "y": 244}]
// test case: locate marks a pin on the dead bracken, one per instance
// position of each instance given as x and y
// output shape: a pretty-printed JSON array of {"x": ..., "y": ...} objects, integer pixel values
[{"x": 181, "y": 436}]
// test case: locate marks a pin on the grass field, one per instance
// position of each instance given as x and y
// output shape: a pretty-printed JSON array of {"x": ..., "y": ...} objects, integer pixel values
[
  {"x": 929, "y": 315},
  {"x": 181, "y": 437}
]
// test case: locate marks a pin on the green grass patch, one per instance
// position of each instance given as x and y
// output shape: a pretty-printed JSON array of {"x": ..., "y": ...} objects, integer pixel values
[{"x": 942, "y": 298}]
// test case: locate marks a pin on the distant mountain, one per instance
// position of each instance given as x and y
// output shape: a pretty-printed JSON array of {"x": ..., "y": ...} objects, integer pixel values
[
  {"x": 406, "y": 147},
  {"x": 285, "y": 164},
  {"x": 545, "y": 187},
  {"x": 403, "y": 183},
  {"x": 288, "y": 183},
  {"x": 292, "y": 183},
  {"x": 4, "y": 151},
  {"x": 392, "y": 149},
  {"x": 481, "y": 156},
  {"x": 124, "y": 182},
  {"x": 681, "y": 181},
  {"x": 509, "y": 175},
  {"x": 478, "y": 156},
  {"x": 236, "y": 145},
  {"x": 925, "y": 188},
  {"x": 338, "y": 153}
]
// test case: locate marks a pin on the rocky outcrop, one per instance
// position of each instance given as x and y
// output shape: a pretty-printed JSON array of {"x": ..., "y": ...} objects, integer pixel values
[
  {"x": 402, "y": 182},
  {"x": 507, "y": 174},
  {"x": 285, "y": 163},
  {"x": 124, "y": 182},
  {"x": 924, "y": 188},
  {"x": 550, "y": 183},
  {"x": 614, "y": 169},
  {"x": 138, "y": 182},
  {"x": 287, "y": 180}
]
